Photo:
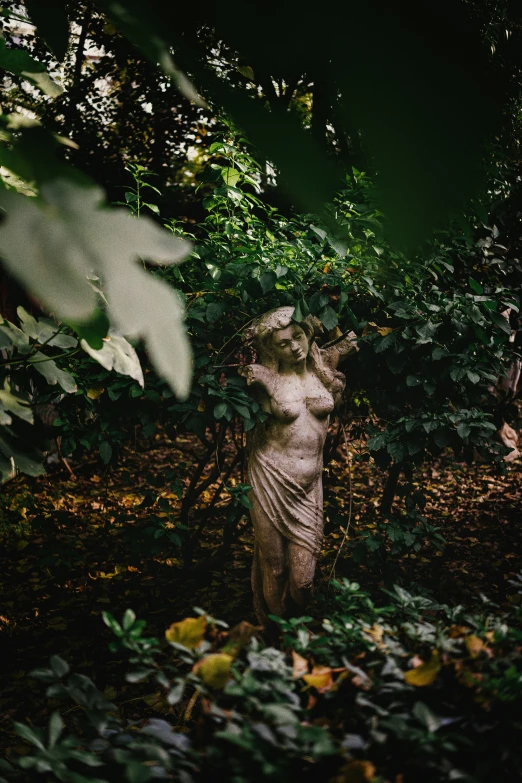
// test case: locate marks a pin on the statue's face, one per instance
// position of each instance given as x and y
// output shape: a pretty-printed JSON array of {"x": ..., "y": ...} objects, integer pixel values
[{"x": 290, "y": 344}]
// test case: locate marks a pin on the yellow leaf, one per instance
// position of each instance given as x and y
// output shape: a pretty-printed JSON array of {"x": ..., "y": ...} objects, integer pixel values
[
  {"x": 95, "y": 392},
  {"x": 384, "y": 330},
  {"x": 300, "y": 665},
  {"x": 474, "y": 645},
  {"x": 201, "y": 406},
  {"x": 214, "y": 669},
  {"x": 426, "y": 673},
  {"x": 334, "y": 333},
  {"x": 188, "y": 632},
  {"x": 246, "y": 71},
  {"x": 376, "y": 632},
  {"x": 458, "y": 630},
  {"x": 320, "y": 678},
  {"x": 356, "y": 772}
]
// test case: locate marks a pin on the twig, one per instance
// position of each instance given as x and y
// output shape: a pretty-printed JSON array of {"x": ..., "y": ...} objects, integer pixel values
[
  {"x": 27, "y": 359},
  {"x": 337, "y": 340},
  {"x": 190, "y": 706}
]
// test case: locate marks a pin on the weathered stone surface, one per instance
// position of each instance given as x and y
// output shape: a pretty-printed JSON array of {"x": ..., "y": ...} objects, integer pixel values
[{"x": 298, "y": 386}]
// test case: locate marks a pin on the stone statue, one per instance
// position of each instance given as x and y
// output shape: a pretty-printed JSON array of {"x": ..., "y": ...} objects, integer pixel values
[{"x": 297, "y": 386}]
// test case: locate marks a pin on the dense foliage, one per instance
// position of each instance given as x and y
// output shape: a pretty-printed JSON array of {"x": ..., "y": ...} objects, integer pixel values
[
  {"x": 406, "y": 691},
  {"x": 370, "y": 179},
  {"x": 433, "y": 341}
]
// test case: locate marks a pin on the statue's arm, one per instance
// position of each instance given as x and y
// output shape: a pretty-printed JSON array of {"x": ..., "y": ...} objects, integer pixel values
[
  {"x": 336, "y": 352},
  {"x": 258, "y": 374}
]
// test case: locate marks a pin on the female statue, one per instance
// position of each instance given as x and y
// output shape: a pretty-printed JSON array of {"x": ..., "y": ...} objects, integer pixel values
[{"x": 297, "y": 386}]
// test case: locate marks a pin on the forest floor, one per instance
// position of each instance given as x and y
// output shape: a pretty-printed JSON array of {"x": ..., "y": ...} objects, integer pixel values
[{"x": 74, "y": 546}]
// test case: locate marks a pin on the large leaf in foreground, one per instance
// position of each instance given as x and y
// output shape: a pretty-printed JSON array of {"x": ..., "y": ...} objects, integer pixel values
[{"x": 52, "y": 244}]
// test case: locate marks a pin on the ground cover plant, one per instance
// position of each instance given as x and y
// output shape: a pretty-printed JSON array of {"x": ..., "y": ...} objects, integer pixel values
[
  {"x": 164, "y": 180},
  {"x": 387, "y": 692}
]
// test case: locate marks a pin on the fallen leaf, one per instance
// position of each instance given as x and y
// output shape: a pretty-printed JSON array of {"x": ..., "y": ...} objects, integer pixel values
[
  {"x": 376, "y": 632},
  {"x": 358, "y": 771},
  {"x": 457, "y": 630},
  {"x": 426, "y": 673},
  {"x": 320, "y": 678},
  {"x": 300, "y": 665},
  {"x": 475, "y": 646},
  {"x": 188, "y": 632},
  {"x": 214, "y": 669}
]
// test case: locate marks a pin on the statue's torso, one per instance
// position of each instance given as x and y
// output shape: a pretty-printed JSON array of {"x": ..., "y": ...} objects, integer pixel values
[{"x": 298, "y": 410}]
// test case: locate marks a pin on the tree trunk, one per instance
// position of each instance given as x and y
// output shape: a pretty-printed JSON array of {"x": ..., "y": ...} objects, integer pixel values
[{"x": 390, "y": 488}]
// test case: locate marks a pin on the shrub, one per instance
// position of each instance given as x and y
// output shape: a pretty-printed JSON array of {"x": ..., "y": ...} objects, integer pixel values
[{"x": 408, "y": 691}]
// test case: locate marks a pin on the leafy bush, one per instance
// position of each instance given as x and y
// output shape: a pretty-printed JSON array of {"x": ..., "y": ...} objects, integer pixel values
[
  {"x": 433, "y": 341},
  {"x": 34, "y": 355},
  {"x": 406, "y": 691}
]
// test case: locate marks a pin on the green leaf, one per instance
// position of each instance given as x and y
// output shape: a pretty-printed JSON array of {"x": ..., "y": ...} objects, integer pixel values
[
  {"x": 428, "y": 718},
  {"x": 52, "y": 373},
  {"x": 112, "y": 623},
  {"x": 268, "y": 281},
  {"x": 44, "y": 330},
  {"x": 14, "y": 336},
  {"x": 242, "y": 410},
  {"x": 15, "y": 403},
  {"x": 463, "y": 430},
  {"x": 473, "y": 376},
  {"x": 128, "y": 619},
  {"x": 246, "y": 71},
  {"x": 220, "y": 410},
  {"x": 29, "y": 323},
  {"x": 68, "y": 222},
  {"x": 442, "y": 437},
  {"x": 214, "y": 311},
  {"x": 377, "y": 442},
  {"x": 501, "y": 322},
  {"x": 59, "y": 666},
  {"x": 26, "y": 458},
  {"x": 426, "y": 332},
  {"x": 94, "y": 329},
  {"x": 328, "y": 318},
  {"x": 105, "y": 451},
  {"x": 29, "y": 735},
  {"x": 173, "y": 697},
  {"x": 458, "y": 373},
  {"x": 475, "y": 286},
  {"x": 301, "y": 311},
  {"x": 117, "y": 354},
  {"x": 52, "y": 24},
  {"x": 439, "y": 353},
  {"x": 56, "y": 726},
  {"x": 21, "y": 63},
  {"x": 230, "y": 176},
  {"x": 396, "y": 450},
  {"x": 415, "y": 443}
]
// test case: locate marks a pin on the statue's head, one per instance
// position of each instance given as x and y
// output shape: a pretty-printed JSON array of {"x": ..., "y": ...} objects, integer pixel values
[{"x": 278, "y": 338}]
